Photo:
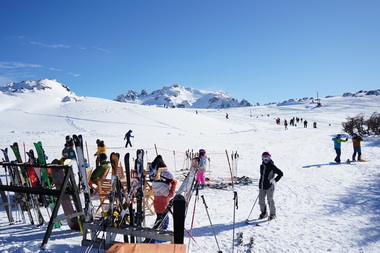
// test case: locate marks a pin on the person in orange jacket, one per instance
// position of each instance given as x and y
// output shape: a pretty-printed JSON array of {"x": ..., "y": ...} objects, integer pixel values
[
  {"x": 356, "y": 139},
  {"x": 164, "y": 190},
  {"x": 101, "y": 150}
]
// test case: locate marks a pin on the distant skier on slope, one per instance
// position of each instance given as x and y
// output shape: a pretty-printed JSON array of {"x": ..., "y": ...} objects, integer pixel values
[
  {"x": 127, "y": 137},
  {"x": 337, "y": 146},
  {"x": 267, "y": 185}
]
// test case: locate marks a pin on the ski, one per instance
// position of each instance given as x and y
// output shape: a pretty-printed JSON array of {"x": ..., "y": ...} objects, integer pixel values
[
  {"x": 257, "y": 222},
  {"x": 139, "y": 167},
  {"x": 17, "y": 196},
  {"x": 128, "y": 176},
  {"x": 41, "y": 159},
  {"x": 30, "y": 180},
  {"x": 88, "y": 208}
]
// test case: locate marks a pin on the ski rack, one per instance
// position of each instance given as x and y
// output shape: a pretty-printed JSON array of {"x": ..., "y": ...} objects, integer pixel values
[
  {"x": 59, "y": 193},
  {"x": 180, "y": 204},
  {"x": 175, "y": 236}
]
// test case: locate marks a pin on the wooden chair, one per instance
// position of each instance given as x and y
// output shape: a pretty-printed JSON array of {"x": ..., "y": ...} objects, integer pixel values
[{"x": 104, "y": 188}]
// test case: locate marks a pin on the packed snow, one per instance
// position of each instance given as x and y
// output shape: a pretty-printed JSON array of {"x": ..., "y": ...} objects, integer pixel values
[{"x": 321, "y": 206}]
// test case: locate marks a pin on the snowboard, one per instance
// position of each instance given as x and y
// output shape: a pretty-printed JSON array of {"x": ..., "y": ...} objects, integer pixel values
[{"x": 57, "y": 177}]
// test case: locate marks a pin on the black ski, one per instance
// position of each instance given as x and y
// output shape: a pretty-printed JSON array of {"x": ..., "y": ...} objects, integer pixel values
[{"x": 139, "y": 167}]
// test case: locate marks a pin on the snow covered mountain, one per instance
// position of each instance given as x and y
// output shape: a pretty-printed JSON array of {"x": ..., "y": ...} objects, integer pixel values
[
  {"x": 183, "y": 97},
  {"x": 49, "y": 87}
]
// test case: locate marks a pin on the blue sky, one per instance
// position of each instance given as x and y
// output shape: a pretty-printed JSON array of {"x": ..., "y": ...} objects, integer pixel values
[{"x": 263, "y": 51}]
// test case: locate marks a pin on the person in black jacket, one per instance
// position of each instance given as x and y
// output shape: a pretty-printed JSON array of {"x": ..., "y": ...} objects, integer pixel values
[{"x": 268, "y": 179}]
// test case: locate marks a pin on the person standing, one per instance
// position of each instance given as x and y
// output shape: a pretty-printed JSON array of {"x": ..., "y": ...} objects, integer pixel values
[
  {"x": 201, "y": 168},
  {"x": 356, "y": 139},
  {"x": 337, "y": 146},
  {"x": 163, "y": 190},
  {"x": 127, "y": 137},
  {"x": 101, "y": 150},
  {"x": 269, "y": 176}
]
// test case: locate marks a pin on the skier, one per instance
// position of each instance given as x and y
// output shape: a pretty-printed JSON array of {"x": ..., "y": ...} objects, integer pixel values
[
  {"x": 305, "y": 124},
  {"x": 286, "y": 124},
  {"x": 127, "y": 137},
  {"x": 100, "y": 169},
  {"x": 101, "y": 150},
  {"x": 163, "y": 189},
  {"x": 356, "y": 139},
  {"x": 226, "y": 115},
  {"x": 267, "y": 185},
  {"x": 201, "y": 168},
  {"x": 337, "y": 141}
]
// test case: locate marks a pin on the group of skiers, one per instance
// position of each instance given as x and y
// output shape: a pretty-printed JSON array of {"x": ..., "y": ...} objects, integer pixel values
[
  {"x": 356, "y": 141},
  {"x": 293, "y": 122}
]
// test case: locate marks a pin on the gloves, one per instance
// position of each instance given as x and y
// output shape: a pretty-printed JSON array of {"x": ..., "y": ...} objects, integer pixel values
[
  {"x": 346, "y": 139},
  {"x": 272, "y": 181}
]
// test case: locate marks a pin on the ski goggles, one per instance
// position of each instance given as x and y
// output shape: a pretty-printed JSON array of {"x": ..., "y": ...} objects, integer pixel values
[{"x": 266, "y": 158}]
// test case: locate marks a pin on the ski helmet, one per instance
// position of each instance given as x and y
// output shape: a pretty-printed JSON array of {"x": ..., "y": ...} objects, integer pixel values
[
  {"x": 166, "y": 176},
  {"x": 202, "y": 152},
  {"x": 338, "y": 136},
  {"x": 266, "y": 157}
]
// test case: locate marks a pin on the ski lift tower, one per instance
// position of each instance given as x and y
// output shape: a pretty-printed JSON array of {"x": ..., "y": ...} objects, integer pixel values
[{"x": 318, "y": 101}]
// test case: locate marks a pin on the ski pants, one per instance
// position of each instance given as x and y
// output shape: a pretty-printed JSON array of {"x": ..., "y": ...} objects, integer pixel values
[
  {"x": 128, "y": 142},
  {"x": 357, "y": 150},
  {"x": 201, "y": 178},
  {"x": 164, "y": 226},
  {"x": 269, "y": 194},
  {"x": 338, "y": 153}
]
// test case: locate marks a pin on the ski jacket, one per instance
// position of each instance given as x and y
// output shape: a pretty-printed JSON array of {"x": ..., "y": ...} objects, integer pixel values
[
  {"x": 128, "y": 135},
  {"x": 337, "y": 142},
  {"x": 356, "y": 141},
  {"x": 101, "y": 150},
  {"x": 163, "y": 192},
  {"x": 202, "y": 164},
  {"x": 268, "y": 172},
  {"x": 99, "y": 171}
]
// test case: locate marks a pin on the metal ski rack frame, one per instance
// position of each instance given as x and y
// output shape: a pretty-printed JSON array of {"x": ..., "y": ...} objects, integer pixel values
[{"x": 59, "y": 193}]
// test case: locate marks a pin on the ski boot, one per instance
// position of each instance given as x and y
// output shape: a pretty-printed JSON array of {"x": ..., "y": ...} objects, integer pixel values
[
  {"x": 263, "y": 215},
  {"x": 272, "y": 216}
]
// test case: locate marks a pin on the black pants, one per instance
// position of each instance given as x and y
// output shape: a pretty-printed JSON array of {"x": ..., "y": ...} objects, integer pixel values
[
  {"x": 128, "y": 142},
  {"x": 338, "y": 153}
]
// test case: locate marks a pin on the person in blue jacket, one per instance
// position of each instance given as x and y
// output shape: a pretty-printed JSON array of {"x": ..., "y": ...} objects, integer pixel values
[{"x": 337, "y": 143}]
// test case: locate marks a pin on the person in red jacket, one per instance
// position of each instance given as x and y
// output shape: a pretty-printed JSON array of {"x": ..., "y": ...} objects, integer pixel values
[{"x": 164, "y": 191}]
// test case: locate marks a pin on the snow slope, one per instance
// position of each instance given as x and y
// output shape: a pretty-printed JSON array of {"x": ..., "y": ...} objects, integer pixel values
[{"x": 321, "y": 207}]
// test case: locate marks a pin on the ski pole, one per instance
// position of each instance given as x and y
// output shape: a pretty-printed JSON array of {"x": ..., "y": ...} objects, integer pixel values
[
  {"x": 252, "y": 207},
  {"x": 212, "y": 227},
  {"x": 233, "y": 224},
  {"x": 192, "y": 220}
]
